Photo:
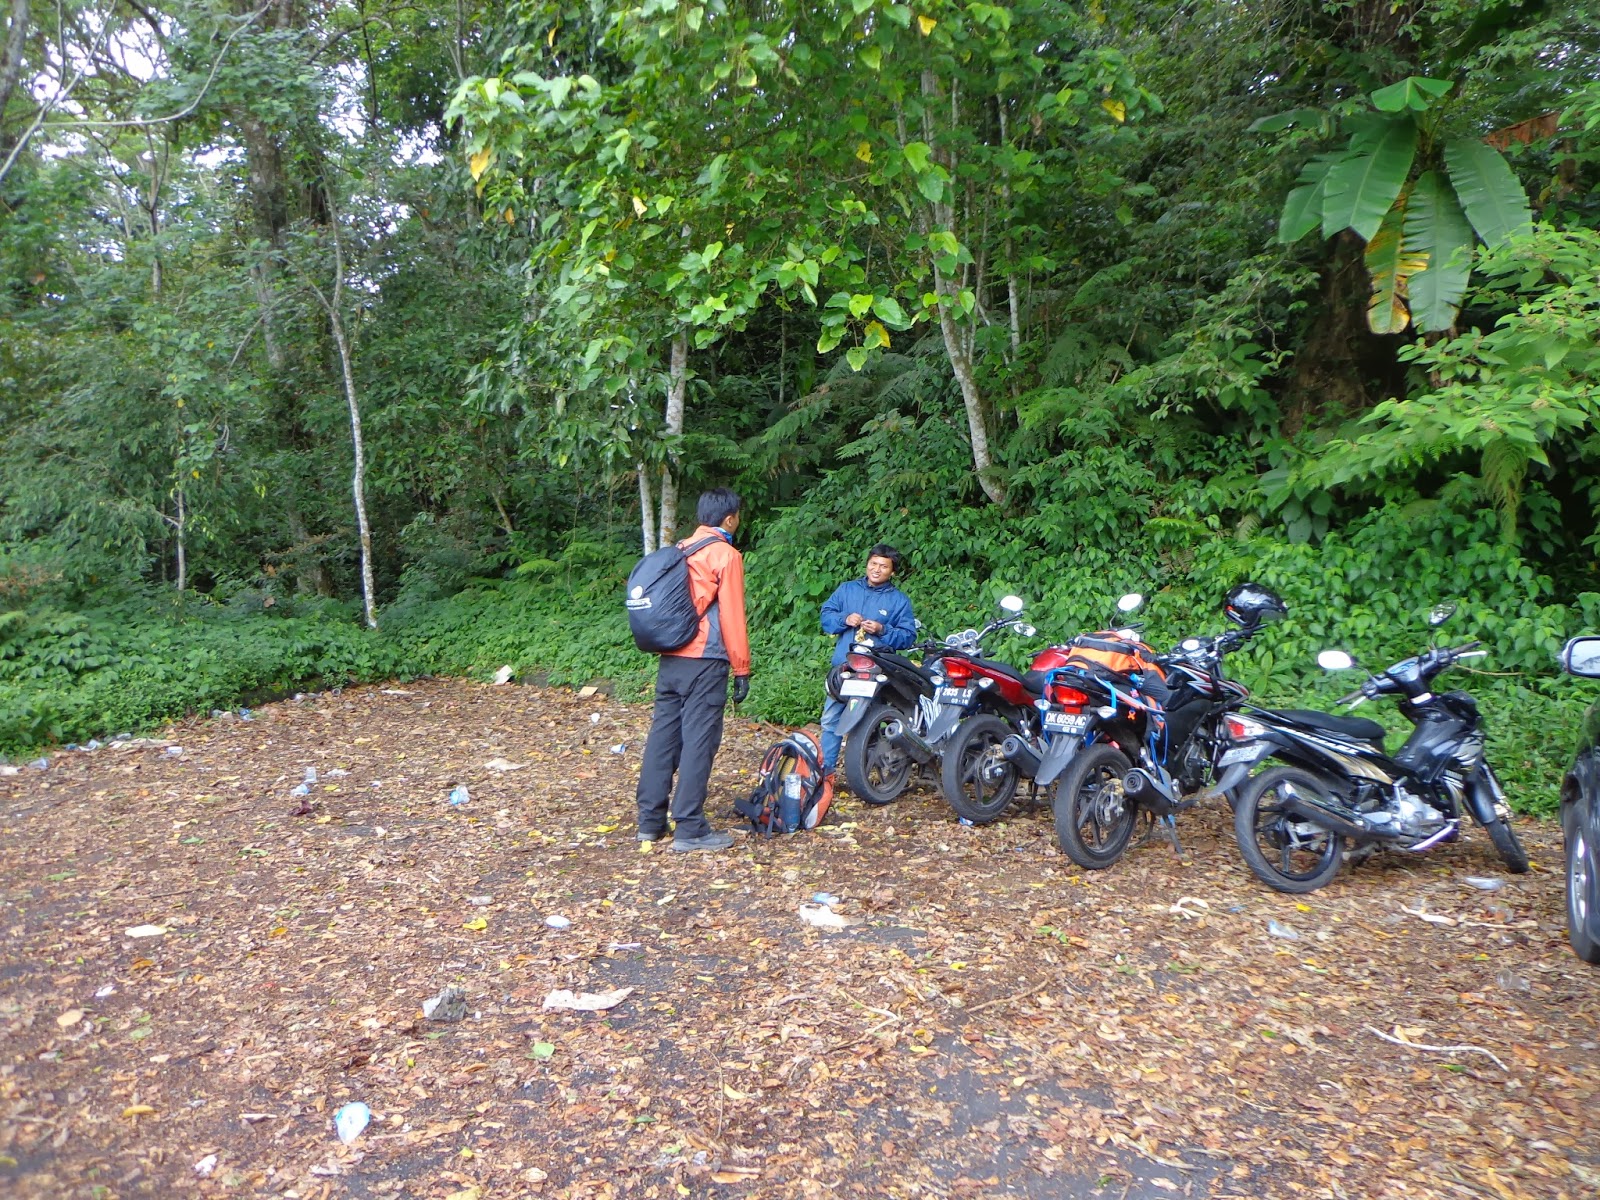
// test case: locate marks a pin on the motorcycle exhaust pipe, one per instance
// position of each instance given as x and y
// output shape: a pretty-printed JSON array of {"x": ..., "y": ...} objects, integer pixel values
[
  {"x": 1140, "y": 784},
  {"x": 1017, "y": 751},
  {"x": 898, "y": 733},
  {"x": 1332, "y": 816}
]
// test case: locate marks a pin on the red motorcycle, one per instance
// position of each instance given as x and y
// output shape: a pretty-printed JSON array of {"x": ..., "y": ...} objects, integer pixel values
[{"x": 990, "y": 713}]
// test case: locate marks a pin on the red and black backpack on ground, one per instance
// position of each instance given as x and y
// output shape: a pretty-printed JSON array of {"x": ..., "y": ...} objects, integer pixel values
[{"x": 797, "y": 757}]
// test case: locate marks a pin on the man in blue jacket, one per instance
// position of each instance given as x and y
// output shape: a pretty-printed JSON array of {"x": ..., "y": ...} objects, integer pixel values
[{"x": 872, "y": 605}]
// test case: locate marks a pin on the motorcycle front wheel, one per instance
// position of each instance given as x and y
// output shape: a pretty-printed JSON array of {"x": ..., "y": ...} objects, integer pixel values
[
  {"x": 1506, "y": 843},
  {"x": 877, "y": 770},
  {"x": 978, "y": 781},
  {"x": 1284, "y": 851},
  {"x": 1094, "y": 820}
]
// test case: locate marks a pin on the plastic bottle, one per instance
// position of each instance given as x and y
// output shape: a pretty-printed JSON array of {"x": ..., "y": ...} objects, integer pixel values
[{"x": 789, "y": 808}]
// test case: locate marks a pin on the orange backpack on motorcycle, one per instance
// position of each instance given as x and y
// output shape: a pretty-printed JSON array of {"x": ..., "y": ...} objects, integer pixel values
[{"x": 1106, "y": 655}]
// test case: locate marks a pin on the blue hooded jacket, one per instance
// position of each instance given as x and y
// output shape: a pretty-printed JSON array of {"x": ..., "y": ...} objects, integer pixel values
[{"x": 887, "y": 604}]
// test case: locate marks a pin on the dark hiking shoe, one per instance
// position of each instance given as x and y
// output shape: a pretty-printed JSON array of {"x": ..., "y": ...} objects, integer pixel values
[
  {"x": 647, "y": 835},
  {"x": 711, "y": 841}
]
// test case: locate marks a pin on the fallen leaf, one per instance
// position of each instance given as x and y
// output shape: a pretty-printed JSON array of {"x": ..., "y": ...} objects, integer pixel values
[
  {"x": 137, "y": 1110},
  {"x": 70, "y": 1018}
]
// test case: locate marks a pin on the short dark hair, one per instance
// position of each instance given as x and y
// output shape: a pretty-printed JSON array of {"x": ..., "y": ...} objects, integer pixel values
[
  {"x": 884, "y": 550},
  {"x": 716, "y": 506}
]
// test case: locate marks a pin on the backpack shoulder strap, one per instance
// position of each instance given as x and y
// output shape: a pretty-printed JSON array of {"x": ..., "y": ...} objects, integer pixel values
[{"x": 696, "y": 547}]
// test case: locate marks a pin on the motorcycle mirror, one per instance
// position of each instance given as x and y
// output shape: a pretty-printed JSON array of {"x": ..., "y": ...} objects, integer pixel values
[
  {"x": 1581, "y": 656},
  {"x": 916, "y": 623},
  {"x": 1441, "y": 613},
  {"x": 1025, "y": 629},
  {"x": 1011, "y": 604},
  {"x": 1129, "y": 602},
  {"x": 1335, "y": 660},
  {"x": 1190, "y": 643}
]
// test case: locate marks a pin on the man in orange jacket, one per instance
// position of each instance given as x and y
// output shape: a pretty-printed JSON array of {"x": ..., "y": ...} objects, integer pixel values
[{"x": 692, "y": 686}]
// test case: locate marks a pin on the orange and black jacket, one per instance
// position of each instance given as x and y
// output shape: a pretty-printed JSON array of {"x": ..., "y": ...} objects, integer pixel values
[{"x": 716, "y": 581}]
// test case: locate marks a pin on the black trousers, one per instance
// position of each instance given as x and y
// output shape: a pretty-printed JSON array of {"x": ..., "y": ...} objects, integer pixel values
[{"x": 685, "y": 732}]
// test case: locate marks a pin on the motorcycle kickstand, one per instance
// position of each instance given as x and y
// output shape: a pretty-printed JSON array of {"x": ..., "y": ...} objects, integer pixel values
[{"x": 1168, "y": 825}]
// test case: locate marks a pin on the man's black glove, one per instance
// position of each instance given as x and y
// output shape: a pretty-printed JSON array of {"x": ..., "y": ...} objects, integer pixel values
[{"x": 741, "y": 688}]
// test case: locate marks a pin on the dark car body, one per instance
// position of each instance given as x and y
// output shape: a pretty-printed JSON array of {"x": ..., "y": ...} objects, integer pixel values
[{"x": 1580, "y": 812}]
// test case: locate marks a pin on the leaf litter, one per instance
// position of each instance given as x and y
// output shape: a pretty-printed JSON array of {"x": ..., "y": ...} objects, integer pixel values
[{"x": 998, "y": 1023}]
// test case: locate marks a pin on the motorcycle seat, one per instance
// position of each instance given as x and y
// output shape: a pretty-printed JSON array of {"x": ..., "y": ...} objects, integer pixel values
[
  {"x": 1354, "y": 727},
  {"x": 1033, "y": 681},
  {"x": 899, "y": 660}
]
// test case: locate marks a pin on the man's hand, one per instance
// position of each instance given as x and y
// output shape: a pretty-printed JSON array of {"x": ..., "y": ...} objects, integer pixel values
[
  {"x": 741, "y": 688},
  {"x": 853, "y": 620},
  {"x": 871, "y": 626}
]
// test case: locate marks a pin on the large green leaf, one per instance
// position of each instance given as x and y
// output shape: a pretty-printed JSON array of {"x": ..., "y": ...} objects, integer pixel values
[
  {"x": 1436, "y": 226},
  {"x": 1489, "y": 193},
  {"x": 1391, "y": 264},
  {"x": 1362, "y": 188},
  {"x": 1302, "y": 210},
  {"x": 1414, "y": 92}
]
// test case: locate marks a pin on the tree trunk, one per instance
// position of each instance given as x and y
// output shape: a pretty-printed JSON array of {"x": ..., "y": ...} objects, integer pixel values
[
  {"x": 647, "y": 512},
  {"x": 677, "y": 384},
  {"x": 183, "y": 560},
  {"x": 957, "y": 344},
  {"x": 358, "y": 481},
  {"x": 11, "y": 64}
]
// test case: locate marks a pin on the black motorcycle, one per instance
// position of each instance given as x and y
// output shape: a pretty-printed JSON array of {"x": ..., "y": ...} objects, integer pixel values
[
  {"x": 884, "y": 691},
  {"x": 1337, "y": 784}
]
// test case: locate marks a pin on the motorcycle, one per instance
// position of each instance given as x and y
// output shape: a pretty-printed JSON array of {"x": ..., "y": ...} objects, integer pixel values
[
  {"x": 885, "y": 691},
  {"x": 981, "y": 703},
  {"x": 1157, "y": 744},
  {"x": 1338, "y": 785}
]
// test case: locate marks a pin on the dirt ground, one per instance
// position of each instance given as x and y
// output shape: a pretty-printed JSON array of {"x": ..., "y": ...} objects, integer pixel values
[{"x": 997, "y": 1023}]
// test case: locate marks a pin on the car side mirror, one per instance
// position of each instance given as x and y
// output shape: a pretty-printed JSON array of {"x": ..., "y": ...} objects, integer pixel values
[{"x": 1581, "y": 656}]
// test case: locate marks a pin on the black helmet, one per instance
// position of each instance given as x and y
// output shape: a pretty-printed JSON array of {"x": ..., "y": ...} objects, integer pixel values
[{"x": 1249, "y": 604}]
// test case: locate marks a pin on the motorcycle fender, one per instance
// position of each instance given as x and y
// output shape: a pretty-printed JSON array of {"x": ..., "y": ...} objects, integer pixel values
[
  {"x": 1232, "y": 777},
  {"x": 853, "y": 714},
  {"x": 1058, "y": 755},
  {"x": 1484, "y": 801},
  {"x": 944, "y": 724}
]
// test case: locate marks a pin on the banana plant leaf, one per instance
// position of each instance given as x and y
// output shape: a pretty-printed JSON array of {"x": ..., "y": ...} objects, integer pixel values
[
  {"x": 1391, "y": 264},
  {"x": 1490, "y": 194},
  {"x": 1436, "y": 227},
  {"x": 1362, "y": 188}
]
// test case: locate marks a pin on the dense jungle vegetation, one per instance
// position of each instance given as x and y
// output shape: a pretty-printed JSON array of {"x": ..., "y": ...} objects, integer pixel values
[{"x": 347, "y": 340}]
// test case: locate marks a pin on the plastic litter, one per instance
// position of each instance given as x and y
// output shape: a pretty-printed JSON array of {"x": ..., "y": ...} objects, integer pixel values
[
  {"x": 174, "y": 751},
  {"x": 502, "y": 765},
  {"x": 619, "y": 748},
  {"x": 594, "y": 718},
  {"x": 459, "y": 795},
  {"x": 825, "y": 898},
  {"x": 1282, "y": 931},
  {"x": 558, "y": 922},
  {"x": 72, "y": 746},
  {"x": 92, "y": 744},
  {"x": 246, "y": 715},
  {"x": 40, "y": 764},
  {"x": 587, "y": 1001},
  {"x": 449, "y": 1005},
  {"x": 504, "y": 674},
  {"x": 109, "y": 989},
  {"x": 1512, "y": 982},
  {"x": 144, "y": 931},
  {"x": 311, "y": 774},
  {"x": 205, "y": 1166},
  {"x": 350, "y": 1120},
  {"x": 967, "y": 823},
  {"x": 300, "y": 789},
  {"x": 823, "y": 917},
  {"x": 1485, "y": 883},
  {"x": 337, "y": 773}
]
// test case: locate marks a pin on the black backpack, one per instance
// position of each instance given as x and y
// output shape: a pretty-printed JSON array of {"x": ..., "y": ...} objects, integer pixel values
[{"x": 661, "y": 610}]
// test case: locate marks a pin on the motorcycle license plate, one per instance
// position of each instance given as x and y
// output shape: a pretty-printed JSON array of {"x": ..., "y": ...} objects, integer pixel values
[
  {"x": 858, "y": 687},
  {"x": 1060, "y": 722},
  {"x": 1241, "y": 754},
  {"x": 950, "y": 695}
]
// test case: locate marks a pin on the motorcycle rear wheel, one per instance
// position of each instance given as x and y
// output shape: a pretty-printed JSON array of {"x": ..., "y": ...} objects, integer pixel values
[
  {"x": 978, "y": 783},
  {"x": 1094, "y": 822},
  {"x": 877, "y": 771},
  {"x": 1305, "y": 860}
]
